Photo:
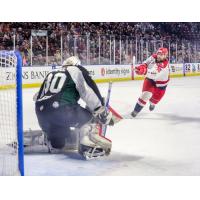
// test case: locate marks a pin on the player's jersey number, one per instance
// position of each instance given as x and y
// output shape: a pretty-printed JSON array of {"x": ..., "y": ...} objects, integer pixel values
[{"x": 54, "y": 83}]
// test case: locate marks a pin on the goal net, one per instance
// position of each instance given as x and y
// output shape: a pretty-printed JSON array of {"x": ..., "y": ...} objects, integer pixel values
[{"x": 11, "y": 138}]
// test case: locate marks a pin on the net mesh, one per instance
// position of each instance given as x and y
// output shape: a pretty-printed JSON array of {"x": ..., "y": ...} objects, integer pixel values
[{"x": 8, "y": 114}]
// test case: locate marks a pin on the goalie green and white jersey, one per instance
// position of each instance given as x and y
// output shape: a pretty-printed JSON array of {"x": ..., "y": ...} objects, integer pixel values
[{"x": 66, "y": 87}]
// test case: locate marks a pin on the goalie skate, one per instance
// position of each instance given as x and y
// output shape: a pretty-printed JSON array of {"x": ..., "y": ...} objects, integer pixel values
[{"x": 90, "y": 153}]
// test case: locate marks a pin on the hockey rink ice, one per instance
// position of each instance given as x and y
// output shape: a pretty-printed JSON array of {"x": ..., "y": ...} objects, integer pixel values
[{"x": 163, "y": 142}]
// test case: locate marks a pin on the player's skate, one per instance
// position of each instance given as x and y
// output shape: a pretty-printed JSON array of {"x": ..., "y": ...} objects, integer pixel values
[
  {"x": 136, "y": 110},
  {"x": 152, "y": 107},
  {"x": 134, "y": 113}
]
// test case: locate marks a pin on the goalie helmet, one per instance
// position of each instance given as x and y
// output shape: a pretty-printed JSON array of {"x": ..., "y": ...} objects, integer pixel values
[{"x": 71, "y": 61}]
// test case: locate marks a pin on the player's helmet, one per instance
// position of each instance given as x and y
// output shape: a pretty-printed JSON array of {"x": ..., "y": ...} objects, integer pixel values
[
  {"x": 162, "y": 51},
  {"x": 71, "y": 61}
]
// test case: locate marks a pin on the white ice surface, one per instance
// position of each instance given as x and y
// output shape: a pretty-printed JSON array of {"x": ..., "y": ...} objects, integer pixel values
[{"x": 163, "y": 142}]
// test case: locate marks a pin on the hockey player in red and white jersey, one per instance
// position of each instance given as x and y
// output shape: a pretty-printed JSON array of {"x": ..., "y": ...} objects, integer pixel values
[{"x": 156, "y": 71}]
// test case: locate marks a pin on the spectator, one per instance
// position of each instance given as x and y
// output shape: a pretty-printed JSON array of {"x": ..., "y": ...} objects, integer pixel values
[
  {"x": 57, "y": 57},
  {"x": 77, "y": 34}
]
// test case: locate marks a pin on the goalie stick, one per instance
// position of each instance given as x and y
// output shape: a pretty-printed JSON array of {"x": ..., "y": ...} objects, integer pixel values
[
  {"x": 116, "y": 117},
  {"x": 91, "y": 154},
  {"x": 104, "y": 127}
]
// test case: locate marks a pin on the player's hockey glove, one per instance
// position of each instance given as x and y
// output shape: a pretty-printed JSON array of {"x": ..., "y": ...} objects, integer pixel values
[
  {"x": 141, "y": 69},
  {"x": 103, "y": 116}
]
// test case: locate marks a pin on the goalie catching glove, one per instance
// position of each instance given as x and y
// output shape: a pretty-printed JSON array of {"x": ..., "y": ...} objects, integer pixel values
[{"x": 103, "y": 116}]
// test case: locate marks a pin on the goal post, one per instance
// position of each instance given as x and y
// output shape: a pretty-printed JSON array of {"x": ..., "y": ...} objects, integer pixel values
[
  {"x": 11, "y": 114},
  {"x": 20, "y": 113}
]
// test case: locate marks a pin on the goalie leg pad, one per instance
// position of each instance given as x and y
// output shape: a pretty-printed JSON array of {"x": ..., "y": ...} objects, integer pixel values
[
  {"x": 97, "y": 137},
  {"x": 33, "y": 137},
  {"x": 90, "y": 135}
]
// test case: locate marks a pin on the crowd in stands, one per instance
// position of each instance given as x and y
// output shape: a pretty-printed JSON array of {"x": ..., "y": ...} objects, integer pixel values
[{"x": 102, "y": 42}]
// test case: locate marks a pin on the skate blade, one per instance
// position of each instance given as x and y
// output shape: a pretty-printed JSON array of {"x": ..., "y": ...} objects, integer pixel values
[{"x": 89, "y": 156}]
